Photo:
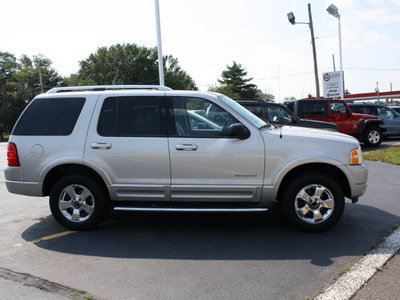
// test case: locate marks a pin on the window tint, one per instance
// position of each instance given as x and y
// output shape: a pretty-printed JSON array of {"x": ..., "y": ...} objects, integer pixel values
[
  {"x": 255, "y": 109},
  {"x": 314, "y": 109},
  {"x": 354, "y": 108},
  {"x": 131, "y": 116},
  {"x": 367, "y": 110},
  {"x": 50, "y": 116},
  {"x": 194, "y": 117}
]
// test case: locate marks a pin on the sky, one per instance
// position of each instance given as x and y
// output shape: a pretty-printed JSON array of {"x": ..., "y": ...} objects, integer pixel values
[{"x": 206, "y": 36}]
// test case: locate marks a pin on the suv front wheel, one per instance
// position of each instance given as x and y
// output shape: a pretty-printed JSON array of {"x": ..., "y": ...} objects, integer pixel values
[
  {"x": 77, "y": 202},
  {"x": 372, "y": 136},
  {"x": 313, "y": 202}
]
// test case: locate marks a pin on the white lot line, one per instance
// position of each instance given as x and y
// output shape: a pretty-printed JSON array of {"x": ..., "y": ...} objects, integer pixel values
[{"x": 348, "y": 284}]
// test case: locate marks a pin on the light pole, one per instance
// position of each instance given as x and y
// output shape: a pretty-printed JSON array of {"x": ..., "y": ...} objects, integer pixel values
[
  {"x": 159, "y": 45},
  {"x": 310, "y": 24},
  {"x": 334, "y": 11}
]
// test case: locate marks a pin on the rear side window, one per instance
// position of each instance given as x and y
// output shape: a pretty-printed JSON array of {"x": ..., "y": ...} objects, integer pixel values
[
  {"x": 255, "y": 109},
  {"x": 315, "y": 109},
  {"x": 131, "y": 117},
  {"x": 367, "y": 110},
  {"x": 50, "y": 116}
]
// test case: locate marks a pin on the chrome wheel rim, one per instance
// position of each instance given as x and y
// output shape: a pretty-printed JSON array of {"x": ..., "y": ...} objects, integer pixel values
[
  {"x": 314, "y": 204},
  {"x": 76, "y": 203},
  {"x": 373, "y": 137}
]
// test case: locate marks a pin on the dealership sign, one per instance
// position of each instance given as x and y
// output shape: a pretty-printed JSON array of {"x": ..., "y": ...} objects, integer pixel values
[{"x": 333, "y": 86}]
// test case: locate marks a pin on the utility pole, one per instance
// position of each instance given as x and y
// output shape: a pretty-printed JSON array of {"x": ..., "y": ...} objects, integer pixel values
[
  {"x": 292, "y": 20},
  {"x": 310, "y": 24},
  {"x": 41, "y": 81}
]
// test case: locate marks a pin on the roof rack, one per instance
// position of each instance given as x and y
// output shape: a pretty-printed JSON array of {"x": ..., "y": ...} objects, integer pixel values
[{"x": 96, "y": 88}]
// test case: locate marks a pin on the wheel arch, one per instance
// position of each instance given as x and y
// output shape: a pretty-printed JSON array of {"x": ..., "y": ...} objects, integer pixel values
[
  {"x": 316, "y": 167},
  {"x": 369, "y": 123},
  {"x": 69, "y": 169}
]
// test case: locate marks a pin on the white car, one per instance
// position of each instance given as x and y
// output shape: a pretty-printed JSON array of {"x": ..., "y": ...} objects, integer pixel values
[{"x": 153, "y": 148}]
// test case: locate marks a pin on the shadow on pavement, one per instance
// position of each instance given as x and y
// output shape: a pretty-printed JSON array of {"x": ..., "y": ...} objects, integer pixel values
[{"x": 216, "y": 236}]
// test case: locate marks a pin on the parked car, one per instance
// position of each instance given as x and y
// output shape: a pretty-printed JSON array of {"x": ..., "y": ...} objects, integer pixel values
[
  {"x": 390, "y": 117},
  {"x": 366, "y": 128},
  {"x": 279, "y": 114},
  {"x": 396, "y": 108},
  {"x": 151, "y": 148}
]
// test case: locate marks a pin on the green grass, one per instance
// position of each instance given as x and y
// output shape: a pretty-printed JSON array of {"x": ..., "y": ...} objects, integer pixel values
[{"x": 389, "y": 155}]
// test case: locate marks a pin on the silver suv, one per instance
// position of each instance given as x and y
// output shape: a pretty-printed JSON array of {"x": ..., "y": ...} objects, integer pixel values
[{"x": 153, "y": 148}]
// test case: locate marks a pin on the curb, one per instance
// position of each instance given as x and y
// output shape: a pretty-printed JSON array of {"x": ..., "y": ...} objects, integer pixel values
[{"x": 351, "y": 282}]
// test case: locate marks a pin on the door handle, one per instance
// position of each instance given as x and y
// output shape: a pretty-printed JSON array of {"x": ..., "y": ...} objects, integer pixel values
[
  {"x": 101, "y": 146},
  {"x": 186, "y": 147}
]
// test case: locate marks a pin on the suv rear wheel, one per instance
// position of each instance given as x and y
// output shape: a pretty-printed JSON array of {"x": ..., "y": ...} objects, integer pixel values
[
  {"x": 372, "y": 136},
  {"x": 78, "y": 202},
  {"x": 315, "y": 202}
]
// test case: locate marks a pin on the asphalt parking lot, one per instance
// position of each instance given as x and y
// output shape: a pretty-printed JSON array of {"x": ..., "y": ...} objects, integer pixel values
[{"x": 182, "y": 256}]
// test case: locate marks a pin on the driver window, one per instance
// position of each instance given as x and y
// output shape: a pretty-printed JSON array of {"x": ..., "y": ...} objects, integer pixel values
[
  {"x": 278, "y": 115},
  {"x": 196, "y": 117},
  {"x": 384, "y": 112},
  {"x": 338, "y": 108}
]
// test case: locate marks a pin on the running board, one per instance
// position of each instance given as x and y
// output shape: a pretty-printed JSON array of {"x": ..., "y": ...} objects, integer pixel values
[{"x": 185, "y": 209}]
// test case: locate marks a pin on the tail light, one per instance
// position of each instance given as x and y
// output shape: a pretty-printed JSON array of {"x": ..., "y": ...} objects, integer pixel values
[{"x": 12, "y": 155}]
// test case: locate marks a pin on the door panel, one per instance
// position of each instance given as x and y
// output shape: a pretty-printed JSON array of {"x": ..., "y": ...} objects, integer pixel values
[
  {"x": 213, "y": 166},
  {"x": 392, "y": 121},
  {"x": 130, "y": 146},
  {"x": 339, "y": 115}
]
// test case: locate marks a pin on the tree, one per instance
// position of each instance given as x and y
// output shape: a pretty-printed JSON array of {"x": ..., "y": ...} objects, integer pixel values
[
  {"x": 233, "y": 82},
  {"x": 21, "y": 83},
  {"x": 26, "y": 81},
  {"x": 8, "y": 66},
  {"x": 226, "y": 90},
  {"x": 289, "y": 98},
  {"x": 131, "y": 64},
  {"x": 265, "y": 96}
]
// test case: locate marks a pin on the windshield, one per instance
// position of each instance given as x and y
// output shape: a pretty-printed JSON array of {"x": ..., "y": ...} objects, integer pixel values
[{"x": 256, "y": 121}]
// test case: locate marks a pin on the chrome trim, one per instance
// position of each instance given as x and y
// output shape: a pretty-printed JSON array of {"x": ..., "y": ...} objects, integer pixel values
[{"x": 183, "y": 209}]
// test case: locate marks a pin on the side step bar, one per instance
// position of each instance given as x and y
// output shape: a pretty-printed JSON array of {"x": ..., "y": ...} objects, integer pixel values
[{"x": 185, "y": 209}]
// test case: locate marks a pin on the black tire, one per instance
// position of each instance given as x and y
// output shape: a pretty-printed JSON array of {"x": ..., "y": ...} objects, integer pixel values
[
  {"x": 312, "y": 202},
  {"x": 372, "y": 136},
  {"x": 78, "y": 202}
]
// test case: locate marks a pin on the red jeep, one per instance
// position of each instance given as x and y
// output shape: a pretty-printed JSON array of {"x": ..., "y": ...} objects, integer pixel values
[{"x": 366, "y": 128}]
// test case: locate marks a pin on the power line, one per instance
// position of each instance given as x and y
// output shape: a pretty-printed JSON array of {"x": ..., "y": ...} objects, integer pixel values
[
  {"x": 357, "y": 30},
  {"x": 371, "y": 69}
]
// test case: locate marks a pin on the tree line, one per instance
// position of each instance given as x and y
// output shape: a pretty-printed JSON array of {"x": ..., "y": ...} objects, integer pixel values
[{"x": 119, "y": 64}]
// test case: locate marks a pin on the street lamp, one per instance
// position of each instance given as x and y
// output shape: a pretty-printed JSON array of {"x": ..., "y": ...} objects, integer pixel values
[
  {"x": 159, "y": 45},
  {"x": 334, "y": 11},
  {"x": 291, "y": 19}
]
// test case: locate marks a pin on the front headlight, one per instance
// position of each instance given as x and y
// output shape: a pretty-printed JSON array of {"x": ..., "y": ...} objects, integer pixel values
[{"x": 356, "y": 157}]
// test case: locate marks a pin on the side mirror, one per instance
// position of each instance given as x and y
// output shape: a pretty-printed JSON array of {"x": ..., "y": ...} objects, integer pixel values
[{"x": 239, "y": 131}]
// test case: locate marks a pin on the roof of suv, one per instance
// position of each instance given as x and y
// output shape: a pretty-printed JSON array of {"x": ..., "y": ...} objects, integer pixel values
[
  {"x": 366, "y": 104},
  {"x": 254, "y": 100},
  {"x": 97, "y": 88}
]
